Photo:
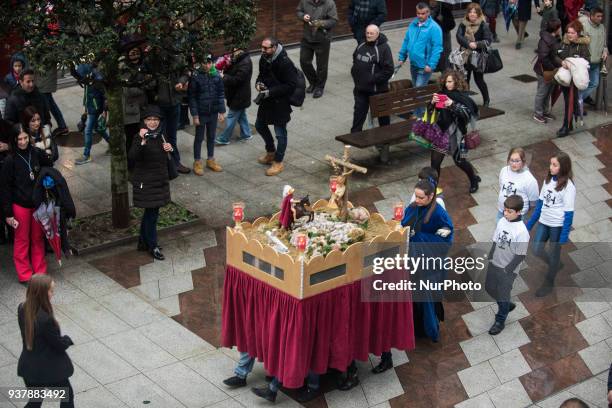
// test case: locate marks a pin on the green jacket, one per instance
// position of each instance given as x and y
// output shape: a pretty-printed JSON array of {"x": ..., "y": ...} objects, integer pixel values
[{"x": 597, "y": 34}]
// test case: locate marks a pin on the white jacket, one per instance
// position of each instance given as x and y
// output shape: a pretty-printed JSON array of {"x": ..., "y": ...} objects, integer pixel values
[{"x": 578, "y": 72}]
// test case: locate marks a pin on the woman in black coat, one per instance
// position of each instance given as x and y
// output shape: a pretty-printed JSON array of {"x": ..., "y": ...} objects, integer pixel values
[
  {"x": 150, "y": 180},
  {"x": 521, "y": 17},
  {"x": 43, "y": 361},
  {"x": 575, "y": 45},
  {"x": 5, "y": 146},
  {"x": 473, "y": 35},
  {"x": 442, "y": 13}
]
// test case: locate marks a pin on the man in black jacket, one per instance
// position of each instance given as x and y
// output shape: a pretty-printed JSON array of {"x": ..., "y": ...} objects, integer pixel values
[
  {"x": 237, "y": 83},
  {"x": 275, "y": 83},
  {"x": 371, "y": 71},
  {"x": 319, "y": 17},
  {"x": 27, "y": 94},
  {"x": 362, "y": 13}
]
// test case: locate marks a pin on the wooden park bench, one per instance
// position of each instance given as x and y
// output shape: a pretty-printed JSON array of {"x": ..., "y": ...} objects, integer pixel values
[{"x": 400, "y": 101}]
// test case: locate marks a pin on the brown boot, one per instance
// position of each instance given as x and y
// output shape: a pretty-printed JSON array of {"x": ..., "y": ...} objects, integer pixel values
[
  {"x": 213, "y": 165},
  {"x": 268, "y": 158},
  {"x": 275, "y": 169},
  {"x": 198, "y": 168}
]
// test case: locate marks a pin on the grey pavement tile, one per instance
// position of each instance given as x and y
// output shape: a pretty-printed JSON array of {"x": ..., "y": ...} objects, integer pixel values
[
  {"x": 66, "y": 293},
  {"x": 381, "y": 387},
  {"x": 483, "y": 213},
  {"x": 138, "y": 350},
  {"x": 602, "y": 229},
  {"x": 478, "y": 379},
  {"x": 182, "y": 264},
  {"x": 586, "y": 258},
  {"x": 186, "y": 385},
  {"x": 510, "y": 365},
  {"x": 605, "y": 268},
  {"x": 352, "y": 398},
  {"x": 130, "y": 308},
  {"x": 93, "y": 282},
  {"x": 98, "y": 397},
  {"x": 12, "y": 294},
  {"x": 11, "y": 338},
  {"x": 9, "y": 378},
  {"x": 7, "y": 315},
  {"x": 480, "y": 401},
  {"x": 81, "y": 381},
  {"x": 100, "y": 362},
  {"x": 6, "y": 357},
  {"x": 517, "y": 314},
  {"x": 597, "y": 194},
  {"x": 592, "y": 390},
  {"x": 228, "y": 403},
  {"x": 248, "y": 399},
  {"x": 479, "y": 321},
  {"x": 94, "y": 318},
  {"x": 215, "y": 366},
  {"x": 155, "y": 271},
  {"x": 589, "y": 278},
  {"x": 482, "y": 232},
  {"x": 169, "y": 306},
  {"x": 69, "y": 327},
  {"x": 595, "y": 329},
  {"x": 599, "y": 211},
  {"x": 583, "y": 234},
  {"x": 138, "y": 390},
  {"x": 148, "y": 290},
  {"x": 175, "y": 284},
  {"x": 604, "y": 250},
  {"x": 479, "y": 349},
  {"x": 510, "y": 395},
  {"x": 519, "y": 286},
  {"x": 512, "y": 337},
  {"x": 592, "y": 303},
  {"x": 175, "y": 339}
]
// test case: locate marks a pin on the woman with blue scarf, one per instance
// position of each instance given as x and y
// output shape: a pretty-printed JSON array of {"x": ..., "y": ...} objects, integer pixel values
[{"x": 431, "y": 236}]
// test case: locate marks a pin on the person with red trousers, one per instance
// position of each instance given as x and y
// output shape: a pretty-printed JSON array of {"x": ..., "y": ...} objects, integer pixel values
[{"x": 17, "y": 180}]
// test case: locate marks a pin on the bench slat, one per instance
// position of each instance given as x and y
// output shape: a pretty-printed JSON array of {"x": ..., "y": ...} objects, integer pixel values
[
  {"x": 394, "y": 133},
  {"x": 401, "y": 101}
]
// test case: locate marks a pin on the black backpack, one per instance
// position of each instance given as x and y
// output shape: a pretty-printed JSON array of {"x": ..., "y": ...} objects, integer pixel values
[{"x": 299, "y": 93}]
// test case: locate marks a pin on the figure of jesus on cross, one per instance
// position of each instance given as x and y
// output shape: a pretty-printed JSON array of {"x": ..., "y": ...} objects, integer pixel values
[{"x": 339, "y": 197}]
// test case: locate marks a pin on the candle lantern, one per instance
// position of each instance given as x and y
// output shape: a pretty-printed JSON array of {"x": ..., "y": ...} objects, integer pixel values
[
  {"x": 301, "y": 242},
  {"x": 238, "y": 213},
  {"x": 398, "y": 211}
]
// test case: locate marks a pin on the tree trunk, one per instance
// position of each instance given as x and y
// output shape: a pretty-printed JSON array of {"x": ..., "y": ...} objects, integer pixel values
[{"x": 119, "y": 172}]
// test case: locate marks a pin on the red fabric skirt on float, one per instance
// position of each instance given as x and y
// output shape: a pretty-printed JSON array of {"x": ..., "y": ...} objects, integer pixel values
[{"x": 293, "y": 336}]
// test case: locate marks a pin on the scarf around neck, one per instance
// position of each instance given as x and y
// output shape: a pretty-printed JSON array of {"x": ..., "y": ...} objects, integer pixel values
[{"x": 472, "y": 28}]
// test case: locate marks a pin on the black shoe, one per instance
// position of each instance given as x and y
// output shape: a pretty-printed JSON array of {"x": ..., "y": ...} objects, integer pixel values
[
  {"x": 486, "y": 103},
  {"x": 307, "y": 394},
  {"x": 495, "y": 38},
  {"x": 269, "y": 378},
  {"x": 350, "y": 381},
  {"x": 526, "y": 34},
  {"x": 512, "y": 306},
  {"x": 564, "y": 131},
  {"x": 182, "y": 169},
  {"x": 474, "y": 184},
  {"x": 544, "y": 290},
  {"x": 156, "y": 253},
  {"x": 142, "y": 246},
  {"x": 496, "y": 328},
  {"x": 517, "y": 46},
  {"x": 318, "y": 92},
  {"x": 310, "y": 88},
  {"x": 264, "y": 393},
  {"x": 383, "y": 366},
  {"x": 590, "y": 101},
  {"x": 235, "y": 382}
]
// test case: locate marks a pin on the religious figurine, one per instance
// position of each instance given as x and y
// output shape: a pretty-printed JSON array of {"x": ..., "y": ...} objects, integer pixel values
[
  {"x": 287, "y": 214},
  {"x": 339, "y": 197}
]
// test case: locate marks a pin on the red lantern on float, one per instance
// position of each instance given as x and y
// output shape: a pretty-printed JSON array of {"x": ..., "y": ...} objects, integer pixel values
[
  {"x": 238, "y": 212},
  {"x": 301, "y": 242},
  {"x": 398, "y": 211}
]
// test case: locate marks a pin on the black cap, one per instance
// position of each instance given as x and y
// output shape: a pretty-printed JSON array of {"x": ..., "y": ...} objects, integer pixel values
[{"x": 151, "y": 110}]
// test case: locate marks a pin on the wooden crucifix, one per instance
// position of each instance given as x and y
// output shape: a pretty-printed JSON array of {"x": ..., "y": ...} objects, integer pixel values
[{"x": 339, "y": 197}]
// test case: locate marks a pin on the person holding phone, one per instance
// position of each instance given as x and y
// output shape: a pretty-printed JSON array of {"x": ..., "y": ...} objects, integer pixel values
[{"x": 19, "y": 173}]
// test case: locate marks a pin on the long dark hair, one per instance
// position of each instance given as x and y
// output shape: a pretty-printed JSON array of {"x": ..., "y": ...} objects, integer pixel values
[
  {"x": 26, "y": 117},
  {"x": 428, "y": 188},
  {"x": 15, "y": 132},
  {"x": 37, "y": 298},
  {"x": 565, "y": 170}
]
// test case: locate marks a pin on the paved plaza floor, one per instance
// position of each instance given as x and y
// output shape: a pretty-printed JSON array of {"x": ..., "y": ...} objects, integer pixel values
[{"x": 147, "y": 333}]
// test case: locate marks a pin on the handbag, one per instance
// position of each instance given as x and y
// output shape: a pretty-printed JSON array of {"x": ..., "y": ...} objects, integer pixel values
[
  {"x": 172, "y": 170},
  {"x": 549, "y": 76},
  {"x": 493, "y": 61},
  {"x": 472, "y": 139}
]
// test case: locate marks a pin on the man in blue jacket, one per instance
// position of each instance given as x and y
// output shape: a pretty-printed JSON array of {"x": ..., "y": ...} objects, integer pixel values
[{"x": 423, "y": 45}]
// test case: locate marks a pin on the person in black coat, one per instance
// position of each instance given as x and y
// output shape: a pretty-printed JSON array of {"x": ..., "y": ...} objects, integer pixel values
[
  {"x": 26, "y": 95},
  {"x": 442, "y": 13},
  {"x": 5, "y": 146},
  {"x": 275, "y": 83},
  {"x": 521, "y": 17},
  {"x": 150, "y": 180},
  {"x": 473, "y": 35},
  {"x": 237, "y": 83},
  {"x": 43, "y": 361},
  {"x": 363, "y": 13},
  {"x": 372, "y": 68},
  {"x": 548, "y": 61},
  {"x": 19, "y": 172}
]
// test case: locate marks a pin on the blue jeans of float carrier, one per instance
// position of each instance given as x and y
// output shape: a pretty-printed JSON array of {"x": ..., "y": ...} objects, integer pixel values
[
  {"x": 281, "y": 137},
  {"x": 419, "y": 78},
  {"x": 90, "y": 124},
  {"x": 551, "y": 234},
  {"x": 233, "y": 117},
  {"x": 245, "y": 366}
]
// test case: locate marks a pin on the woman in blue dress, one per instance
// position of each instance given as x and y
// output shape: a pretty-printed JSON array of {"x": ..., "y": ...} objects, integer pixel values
[{"x": 431, "y": 236}]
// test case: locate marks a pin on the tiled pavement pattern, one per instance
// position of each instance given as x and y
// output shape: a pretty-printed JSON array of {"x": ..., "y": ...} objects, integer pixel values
[{"x": 123, "y": 311}]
